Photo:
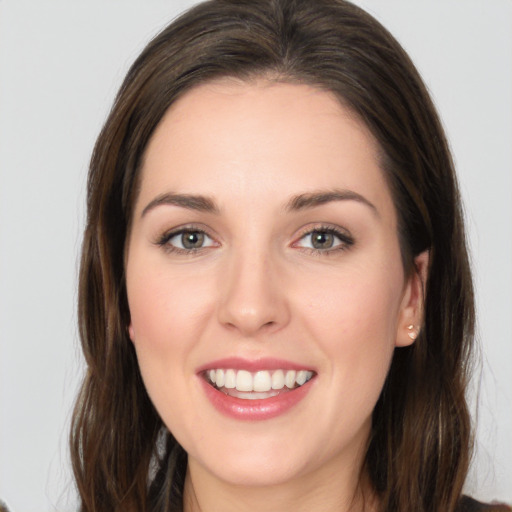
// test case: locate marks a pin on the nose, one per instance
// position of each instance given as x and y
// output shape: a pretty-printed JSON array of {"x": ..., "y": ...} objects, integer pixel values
[{"x": 253, "y": 297}]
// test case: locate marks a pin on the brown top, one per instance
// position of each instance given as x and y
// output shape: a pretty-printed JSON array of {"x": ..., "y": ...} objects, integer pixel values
[{"x": 468, "y": 504}]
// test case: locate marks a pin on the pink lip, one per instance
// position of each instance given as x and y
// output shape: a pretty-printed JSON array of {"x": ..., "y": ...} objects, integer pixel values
[
  {"x": 253, "y": 410},
  {"x": 237, "y": 363}
]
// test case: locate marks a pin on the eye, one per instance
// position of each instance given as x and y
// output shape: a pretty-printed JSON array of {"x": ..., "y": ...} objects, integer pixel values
[
  {"x": 187, "y": 240},
  {"x": 325, "y": 239}
]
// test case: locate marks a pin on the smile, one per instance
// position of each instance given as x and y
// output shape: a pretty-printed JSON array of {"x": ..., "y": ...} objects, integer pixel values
[
  {"x": 248, "y": 391},
  {"x": 256, "y": 385}
]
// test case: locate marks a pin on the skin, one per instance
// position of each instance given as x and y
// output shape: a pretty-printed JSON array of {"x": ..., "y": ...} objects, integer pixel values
[{"x": 259, "y": 289}]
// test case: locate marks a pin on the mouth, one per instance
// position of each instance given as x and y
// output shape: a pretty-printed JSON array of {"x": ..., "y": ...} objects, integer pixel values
[
  {"x": 258, "y": 385},
  {"x": 255, "y": 390}
]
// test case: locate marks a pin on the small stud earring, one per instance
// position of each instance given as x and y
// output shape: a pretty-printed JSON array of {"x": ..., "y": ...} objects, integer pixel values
[{"x": 412, "y": 333}]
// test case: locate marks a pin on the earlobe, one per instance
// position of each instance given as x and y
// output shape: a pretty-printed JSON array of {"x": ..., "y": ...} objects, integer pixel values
[
  {"x": 131, "y": 332},
  {"x": 411, "y": 310},
  {"x": 412, "y": 332}
]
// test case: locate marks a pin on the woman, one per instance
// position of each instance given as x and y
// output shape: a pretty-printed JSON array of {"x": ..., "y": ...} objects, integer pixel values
[{"x": 275, "y": 305}]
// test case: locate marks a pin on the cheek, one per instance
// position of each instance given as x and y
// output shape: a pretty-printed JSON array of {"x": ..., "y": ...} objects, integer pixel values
[
  {"x": 168, "y": 313},
  {"x": 166, "y": 308},
  {"x": 168, "y": 316},
  {"x": 360, "y": 305},
  {"x": 353, "y": 317}
]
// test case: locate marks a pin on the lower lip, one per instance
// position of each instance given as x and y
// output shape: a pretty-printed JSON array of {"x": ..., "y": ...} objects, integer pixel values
[{"x": 254, "y": 410}]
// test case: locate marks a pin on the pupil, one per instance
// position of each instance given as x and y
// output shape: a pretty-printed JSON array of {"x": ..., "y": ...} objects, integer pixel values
[
  {"x": 322, "y": 240},
  {"x": 192, "y": 240}
]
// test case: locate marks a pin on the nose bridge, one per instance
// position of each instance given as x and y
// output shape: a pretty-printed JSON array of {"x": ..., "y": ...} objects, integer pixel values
[{"x": 251, "y": 298}]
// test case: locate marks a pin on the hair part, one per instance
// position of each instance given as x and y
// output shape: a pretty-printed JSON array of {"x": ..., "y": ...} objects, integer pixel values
[{"x": 419, "y": 449}]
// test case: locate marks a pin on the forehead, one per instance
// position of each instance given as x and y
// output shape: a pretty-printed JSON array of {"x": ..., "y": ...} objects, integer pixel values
[{"x": 261, "y": 139}]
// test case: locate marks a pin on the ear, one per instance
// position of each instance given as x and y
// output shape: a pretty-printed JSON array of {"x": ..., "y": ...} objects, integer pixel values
[{"x": 410, "y": 316}]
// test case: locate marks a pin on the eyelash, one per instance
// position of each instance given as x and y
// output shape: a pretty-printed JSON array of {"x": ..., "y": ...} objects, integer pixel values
[
  {"x": 345, "y": 240},
  {"x": 164, "y": 240}
]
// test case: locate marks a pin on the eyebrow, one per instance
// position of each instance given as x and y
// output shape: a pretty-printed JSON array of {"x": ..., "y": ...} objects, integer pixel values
[
  {"x": 313, "y": 199},
  {"x": 299, "y": 202},
  {"x": 189, "y": 201}
]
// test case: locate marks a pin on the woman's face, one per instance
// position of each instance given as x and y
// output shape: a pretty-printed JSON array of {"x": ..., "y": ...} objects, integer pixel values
[{"x": 263, "y": 255}]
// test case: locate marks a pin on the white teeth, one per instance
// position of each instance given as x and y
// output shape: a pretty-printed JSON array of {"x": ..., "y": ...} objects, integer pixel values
[
  {"x": 301, "y": 377},
  {"x": 243, "y": 381},
  {"x": 278, "y": 379},
  {"x": 230, "y": 381},
  {"x": 261, "y": 381},
  {"x": 289, "y": 380},
  {"x": 220, "y": 378}
]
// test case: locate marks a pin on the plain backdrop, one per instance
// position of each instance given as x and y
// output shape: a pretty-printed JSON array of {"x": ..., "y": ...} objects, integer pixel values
[{"x": 61, "y": 63}]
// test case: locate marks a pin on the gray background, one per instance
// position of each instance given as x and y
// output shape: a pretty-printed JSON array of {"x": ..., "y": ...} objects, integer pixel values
[{"x": 61, "y": 63}]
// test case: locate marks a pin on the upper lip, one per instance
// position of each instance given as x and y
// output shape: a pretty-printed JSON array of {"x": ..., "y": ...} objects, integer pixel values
[{"x": 253, "y": 365}]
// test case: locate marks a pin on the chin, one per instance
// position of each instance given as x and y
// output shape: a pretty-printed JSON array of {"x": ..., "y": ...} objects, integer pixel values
[
  {"x": 255, "y": 465},
  {"x": 255, "y": 473}
]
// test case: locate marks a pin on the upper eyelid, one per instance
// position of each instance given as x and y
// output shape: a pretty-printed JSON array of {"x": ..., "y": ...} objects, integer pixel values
[
  {"x": 337, "y": 230},
  {"x": 187, "y": 228}
]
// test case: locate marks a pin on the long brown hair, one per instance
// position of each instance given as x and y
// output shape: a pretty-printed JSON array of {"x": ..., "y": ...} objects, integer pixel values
[{"x": 418, "y": 453}]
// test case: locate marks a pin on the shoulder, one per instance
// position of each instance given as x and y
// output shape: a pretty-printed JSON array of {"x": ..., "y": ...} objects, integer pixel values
[{"x": 467, "y": 504}]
